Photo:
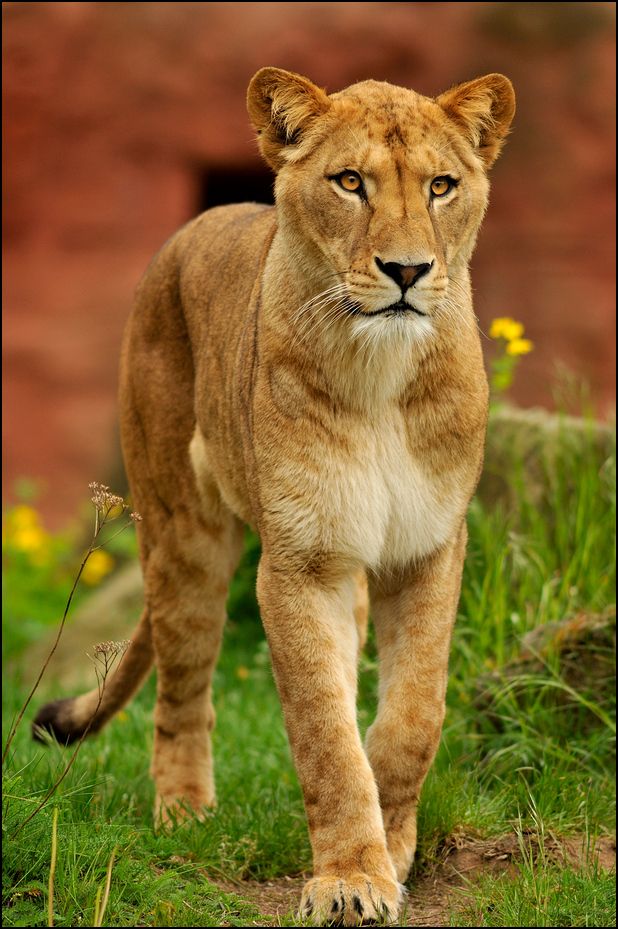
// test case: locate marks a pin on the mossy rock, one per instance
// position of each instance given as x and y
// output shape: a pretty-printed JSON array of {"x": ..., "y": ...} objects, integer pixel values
[
  {"x": 570, "y": 664},
  {"x": 532, "y": 448}
]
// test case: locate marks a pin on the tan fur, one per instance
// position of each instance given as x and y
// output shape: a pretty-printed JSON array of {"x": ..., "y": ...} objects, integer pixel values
[{"x": 257, "y": 387}]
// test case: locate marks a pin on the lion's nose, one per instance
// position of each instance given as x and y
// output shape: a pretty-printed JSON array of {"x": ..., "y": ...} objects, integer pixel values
[{"x": 404, "y": 275}]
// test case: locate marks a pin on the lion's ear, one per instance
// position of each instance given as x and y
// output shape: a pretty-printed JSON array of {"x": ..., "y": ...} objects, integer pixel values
[
  {"x": 483, "y": 109},
  {"x": 282, "y": 106}
]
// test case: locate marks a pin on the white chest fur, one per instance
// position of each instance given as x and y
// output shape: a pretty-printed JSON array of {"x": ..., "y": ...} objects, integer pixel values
[{"x": 370, "y": 500}]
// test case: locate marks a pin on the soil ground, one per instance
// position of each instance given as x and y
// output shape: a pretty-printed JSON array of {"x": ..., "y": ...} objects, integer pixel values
[{"x": 437, "y": 894}]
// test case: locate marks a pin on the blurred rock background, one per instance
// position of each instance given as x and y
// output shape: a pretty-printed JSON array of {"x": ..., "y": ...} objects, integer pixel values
[{"x": 123, "y": 120}]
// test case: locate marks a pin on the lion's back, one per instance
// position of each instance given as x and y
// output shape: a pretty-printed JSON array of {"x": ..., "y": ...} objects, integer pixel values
[
  {"x": 190, "y": 310},
  {"x": 204, "y": 272}
]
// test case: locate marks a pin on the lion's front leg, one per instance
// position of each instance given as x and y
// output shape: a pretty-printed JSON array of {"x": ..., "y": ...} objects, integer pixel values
[
  {"x": 413, "y": 628},
  {"x": 314, "y": 640}
]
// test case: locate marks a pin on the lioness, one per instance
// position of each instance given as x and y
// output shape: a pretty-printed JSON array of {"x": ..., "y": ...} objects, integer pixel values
[{"x": 314, "y": 370}]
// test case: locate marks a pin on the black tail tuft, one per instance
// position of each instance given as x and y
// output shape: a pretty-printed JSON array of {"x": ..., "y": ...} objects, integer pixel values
[{"x": 55, "y": 718}]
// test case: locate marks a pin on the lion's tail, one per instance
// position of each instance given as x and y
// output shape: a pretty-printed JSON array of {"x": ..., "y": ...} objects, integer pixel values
[{"x": 67, "y": 720}]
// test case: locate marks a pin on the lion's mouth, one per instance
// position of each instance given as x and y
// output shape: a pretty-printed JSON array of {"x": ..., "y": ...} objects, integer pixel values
[{"x": 395, "y": 309}]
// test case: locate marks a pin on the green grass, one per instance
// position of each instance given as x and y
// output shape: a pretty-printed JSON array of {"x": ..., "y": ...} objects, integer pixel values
[
  {"x": 535, "y": 756},
  {"x": 550, "y": 896}
]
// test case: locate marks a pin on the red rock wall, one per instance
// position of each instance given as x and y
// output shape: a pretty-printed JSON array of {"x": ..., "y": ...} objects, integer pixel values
[{"x": 114, "y": 113}]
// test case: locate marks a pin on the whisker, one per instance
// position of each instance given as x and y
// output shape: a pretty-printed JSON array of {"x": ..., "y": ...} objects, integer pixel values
[
  {"x": 318, "y": 300},
  {"x": 338, "y": 298},
  {"x": 323, "y": 299}
]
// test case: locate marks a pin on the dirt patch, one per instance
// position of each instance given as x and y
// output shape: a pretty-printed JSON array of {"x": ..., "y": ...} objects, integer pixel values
[
  {"x": 426, "y": 905},
  {"x": 274, "y": 899},
  {"x": 434, "y": 896},
  {"x": 429, "y": 903},
  {"x": 464, "y": 856}
]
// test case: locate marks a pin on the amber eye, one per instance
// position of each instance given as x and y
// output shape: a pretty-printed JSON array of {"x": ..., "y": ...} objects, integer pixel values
[
  {"x": 350, "y": 180},
  {"x": 441, "y": 186}
]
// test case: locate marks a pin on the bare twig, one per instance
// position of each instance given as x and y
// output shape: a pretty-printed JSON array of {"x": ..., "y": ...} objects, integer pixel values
[
  {"x": 105, "y": 503},
  {"x": 49, "y": 657},
  {"x": 106, "y": 655}
]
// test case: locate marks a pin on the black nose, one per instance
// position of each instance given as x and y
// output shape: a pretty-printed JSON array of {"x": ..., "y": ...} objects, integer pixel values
[{"x": 404, "y": 275}]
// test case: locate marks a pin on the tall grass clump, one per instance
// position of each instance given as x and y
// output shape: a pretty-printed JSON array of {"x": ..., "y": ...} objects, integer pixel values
[{"x": 532, "y": 683}]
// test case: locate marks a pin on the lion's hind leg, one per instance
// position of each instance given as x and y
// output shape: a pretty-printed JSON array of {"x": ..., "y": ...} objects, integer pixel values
[
  {"x": 187, "y": 580},
  {"x": 361, "y": 608}
]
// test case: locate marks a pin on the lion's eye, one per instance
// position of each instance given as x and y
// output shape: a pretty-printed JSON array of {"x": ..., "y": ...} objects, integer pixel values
[
  {"x": 441, "y": 186},
  {"x": 351, "y": 181}
]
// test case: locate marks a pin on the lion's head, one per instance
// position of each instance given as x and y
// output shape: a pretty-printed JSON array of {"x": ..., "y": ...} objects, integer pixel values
[{"x": 380, "y": 190}]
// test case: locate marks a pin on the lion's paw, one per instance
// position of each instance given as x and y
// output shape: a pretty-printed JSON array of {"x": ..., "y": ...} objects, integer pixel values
[{"x": 356, "y": 901}]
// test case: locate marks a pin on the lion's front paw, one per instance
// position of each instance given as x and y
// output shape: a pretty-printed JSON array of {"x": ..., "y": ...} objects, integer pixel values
[{"x": 357, "y": 900}]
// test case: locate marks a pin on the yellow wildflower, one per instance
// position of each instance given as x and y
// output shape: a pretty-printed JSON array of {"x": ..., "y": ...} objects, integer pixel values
[
  {"x": 28, "y": 538},
  {"x": 24, "y": 517},
  {"x": 506, "y": 328},
  {"x": 242, "y": 673},
  {"x": 23, "y": 530},
  {"x": 519, "y": 347},
  {"x": 98, "y": 565}
]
